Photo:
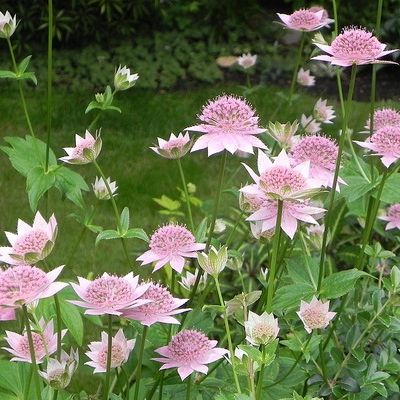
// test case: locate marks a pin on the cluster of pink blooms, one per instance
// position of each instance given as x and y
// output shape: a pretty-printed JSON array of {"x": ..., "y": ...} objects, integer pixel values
[{"x": 306, "y": 20}]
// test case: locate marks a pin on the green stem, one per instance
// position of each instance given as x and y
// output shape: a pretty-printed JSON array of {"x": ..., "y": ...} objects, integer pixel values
[
  {"x": 345, "y": 119},
  {"x": 28, "y": 383},
  {"x": 140, "y": 360},
  {"x": 49, "y": 81},
  {"x": 296, "y": 68},
  {"x": 261, "y": 376},
  {"x": 93, "y": 123},
  {"x": 187, "y": 198},
  {"x": 75, "y": 247},
  {"x": 335, "y": 16},
  {"x": 189, "y": 388},
  {"x": 32, "y": 353},
  {"x": 109, "y": 357},
  {"x": 232, "y": 232},
  {"x": 59, "y": 326}
]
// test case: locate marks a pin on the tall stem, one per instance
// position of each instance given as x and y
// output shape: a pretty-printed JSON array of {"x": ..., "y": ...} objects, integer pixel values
[
  {"x": 343, "y": 134},
  {"x": 59, "y": 326},
  {"x": 32, "y": 353},
  {"x": 109, "y": 356},
  {"x": 296, "y": 68},
  {"x": 185, "y": 191},
  {"x": 140, "y": 360},
  {"x": 189, "y": 388},
  {"x": 261, "y": 376},
  {"x": 49, "y": 80}
]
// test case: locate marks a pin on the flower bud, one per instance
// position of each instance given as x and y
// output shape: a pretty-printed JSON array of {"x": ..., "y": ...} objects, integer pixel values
[
  {"x": 100, "y": 188},
  {"x": 214, "y": 262},
  {"x": 189, "y": 280},
  {"x": 261, "y": 329},
  {"x": 7, "y": 25},
  {"x": 123, "y": 79},
  {"x": 284, "y": 134}
]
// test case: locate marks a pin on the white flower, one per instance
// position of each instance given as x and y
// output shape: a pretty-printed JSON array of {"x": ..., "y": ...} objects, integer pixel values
[
  {"x": 123, "y": 78},
  {"x": 7, "y": 25},
  {"x": 323, "y": 112},
  {"x": 304, "y": 78},
  {"x": 247, "y": 60},
  {"x": 261, "y": 329},
  {"x": 310, "y": 125},
  {"x": 100, "y": 188},
  {"x": 220, "y": 225},
  {"x": 214, "y": 262},
  {"x": 189, "y": 280}
]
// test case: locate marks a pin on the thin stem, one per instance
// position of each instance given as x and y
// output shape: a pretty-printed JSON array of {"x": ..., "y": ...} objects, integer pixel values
[
  {"x": 76, "y": 245},
  {"x": 49, "y": 80},
  {"x": 296, "y": 68},
  {"x": 93, "y": 123},
  {"x": 261, "y": 376},
  {"x": 335, "y": 16},
  {"x": 345, "y": 119},
  {"x": 232, "y": 232},
  {"x": 185, "y": 191},
  {"x": 109, "y": 356},
  {"x": 139, "y": 365},
  {"x": 59, "y": 326},
  {"x": 32, "y": 353},
  {"x": 189, "y": 388},
  {"x": 28, "y": 383}
]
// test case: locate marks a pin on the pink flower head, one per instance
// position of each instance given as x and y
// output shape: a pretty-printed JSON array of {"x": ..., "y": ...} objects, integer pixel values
[
  {"x": 247, "y": 60},
  {"x": 228, "y": 123},
  {"x": 120, "y": 350},
  {"x": 44, "y": 343},
  {"x": 392, "y": 217},
  {"x": 384, "y": 117},
  {"x": 109, "y": 294},
  {"x": 85, "y": 151},
  {"x": 174, "y": 147},
  {"x": 7, "y": 314},
  {"x": 385, "y": 143},
  {"x": 31, "y": 243},
  {"x": 171, "y": 244},
  {"x": 315, "y": 315},
  {"x": 322, "y": 153},
  {"x": 306, "y": 20},
  {"x": 310, "y": 125},
  {"x": 162, "y": 305},
  {"x": 304, "y": 78},
  {"x": 323, "y": 112},
  {"x": 189, "y": 351},
  {"x": 23, "y": 284},
  {"x": 354, "y": 46}
]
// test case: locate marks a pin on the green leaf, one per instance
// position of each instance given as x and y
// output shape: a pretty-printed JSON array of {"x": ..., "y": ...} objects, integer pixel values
[
  {"x": 107, "y": 235},
  {"x": 201, "y": 231},
  {"x": 72, "y": 319},
  {"x": 391, "y": 190},
  {"x": 125, "y": 220},
  {"x": 23, "y": 65},
  {"x": 28, "y": 76},
  {"x": 289, "y": 296},
  {"x": 136, "y": 233},
  {"x": 356, "y": 187},
  {"x": 9, "y": 377},
  {"x": 303, "y": 269},
  {"x": 340, "y": 283},
  {"x": 252, "y": 352},
  {"x": 37, "y": 184},
  {"x": 71, "y": 184},
  {"x": 8, "y": 74},
  {"x": 93, "y": 105},
  {"x": 168, "y": 203},
  {"x": 349, "y": 385}
]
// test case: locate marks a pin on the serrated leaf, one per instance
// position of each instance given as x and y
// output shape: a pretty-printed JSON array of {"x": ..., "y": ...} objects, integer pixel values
[
  {"x": 288, "y": 297},
  {"x": 125, "y": 220},
  {"x": 28, "y": 76},
  {"x": 93, "y": 105},
  {"x": 356, "y": 187},
  {"x": 107, "y": 235},
  {"x": 8, "y": 74},
  {"x": 168, "y": 203},
  {"x": 201, "y": 231},
  {"x": 71, "y": 184},
  {"x": 340, "y": 283},
  {"x": 23, "y": 65},
  {"x": 136, "y": 233},
  {"x": 37, "y": 184}
]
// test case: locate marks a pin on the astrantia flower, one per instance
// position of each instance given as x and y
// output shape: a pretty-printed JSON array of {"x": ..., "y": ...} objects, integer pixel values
[
  {"x": 227, "y": 123},
  {"x": 7, "y": 314},
  {"x": 215, "y": 261},
  {"x": 304, "y": 78},
  {"x": 7, "y": 25},
  {"x": 174, "y": 147},
  {"x": 315, "y": 315},
  {"x": 85, "y": 151},
  {"x": 189, "y": 351},
  {"x": 120, "y": 350},
  {"x": 123, "y": 79},
  {"x": 249, "y": 202},
  {"x": 392, "y": 217},
  {"x": 354, "y": 46},
  {"x": 31, "y": 243},
  {"x": 247, "y": 60},
  {"x": 44, "y": 343},
  {"x": 323, "y": 112},
  {"x": 100, "y": 188},
  {"x": 310, "y": 125},
  {"x": 261, "y": 329},
  {"x": 383, "y": 117},
  {"x": 305, "y": 20},
  {"x": 109, "y": 294},
  {"x": 23, "y": 284},
  {"x": 322, "y": 153},
  {"x": 284, "y": 134},
  {"x": 187, "y": 281},
  {"x": 162, "y": 305},
  {"x": 385, "y": 143},
  {"x": 171, "y": 244}
]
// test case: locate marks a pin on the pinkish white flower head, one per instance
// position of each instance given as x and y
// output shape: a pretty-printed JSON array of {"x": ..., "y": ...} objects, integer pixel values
[
  {"x": 384, "y": 143},
  {"x": 315, "y": 315},
  {"x": 109, "y": 294},
  {"x": 123, "y": 79},
  {"x": 354, "y": 46},
  {"x": 227, "y": 123},
  {"x": 161, "y": 307},
  {"x": 304, "y": 78},
  {"x": 58, "y": 373},
  {"x": 31, "y": 243},
  {"x": 323, "y": 113},
  {"x": 247, "y": 60},
  {"x": 7, "y": 25},
  {"x": 24, "y": 284},
  {"x": 7, "y": 314},
  {"x": 310, "y": 125},
  {"x": 284, "y": 134},
  {"x": 120, "y": 350},
  {"x": 214, "y": 262},
  {"x": 175, "y": 147},
  {"x": 383, "y": 117},
  {"x": 306, "y": 20},
  {"x": 85, "y": 151},
  {"x": 100, "y": 188},
  {"x": 322, "y": 153},
  {"x": 392, "y": 217},
  {"x": 44, "y": 343},
  {"x": 171, "y": 244},
  {"x": 249, "y": 202},
  {"x": 187, "y": 281},
  {"x": 261, "y": 329},
  {"x": 189, "y": 351}
]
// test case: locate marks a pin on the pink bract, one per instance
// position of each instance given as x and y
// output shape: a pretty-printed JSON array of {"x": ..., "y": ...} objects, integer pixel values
[
  {"x": 174, "y": 147},
  {"x": 306, "y": 20},
  {"x": 171, "y": 244},
  {"x": 189, "y": 351},
  {"x": 315, "y": 315},
  {"x": 227, "y": 123},
  {"x": 85, "y": 151},
  {"x": 392, "y": 217}
]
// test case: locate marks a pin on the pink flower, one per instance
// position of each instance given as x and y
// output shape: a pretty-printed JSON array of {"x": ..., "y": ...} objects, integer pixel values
[
  {"x": 383, "y": 117},
  {"x": 315, "y": 315},
  {"x": 23, "y": 284},
  {"x": 189, "y": 351},
  {"x": 7, "y": 314},
  {"x": 187, "y": 281},
  {"x": 385, "y": 142},
  {"x": 392, "y": 217},
  {"x": 162, "y": 305},
  {"x": 228, "y": 123},
  {"x": 310, "y": 125},
  {"x": 174, "y": 147},
  {"x": 304, "y": 78},
  {"x": 354, "y": 46},
  {"x": 31, "y": 243},
  {"x": 85, "y": 151},
  {"x": 120, "y": 350},
  {"x": 322, "y": 153},
  {"x": 109, "y": 294},
  {"x": 44, "y": 343},
  {"x": 247, "y": 60},
  {"x": 171, "y": 244},
  {"x": 323, "y": 112},
  {"x": 306, "y": 20}
]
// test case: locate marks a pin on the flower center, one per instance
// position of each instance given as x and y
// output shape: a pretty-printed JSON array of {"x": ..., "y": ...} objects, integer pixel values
[
  {"x": 394, "y": 211},
  {"x": 87, "y": 143},
  {"x": 117, "y": 355},
  {"x": 387, "y": 138},
  {"x": 161, "y": 300},
  {"x": 170, "y": 239},
  {"x": 188, "y": 345},
  {"x": 38, "y": 345},
  {"x": 304, "y": 19},
  {"x": 314, "y": 317},
  {"x": 263, "y": 332},
  {"x": 31, "y": 242},
  {"x": 282, "y": 181},
  {"x": 385, "y": 116},
  {"x": 174, "y": 144}
]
